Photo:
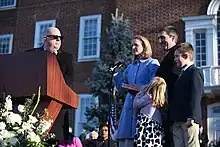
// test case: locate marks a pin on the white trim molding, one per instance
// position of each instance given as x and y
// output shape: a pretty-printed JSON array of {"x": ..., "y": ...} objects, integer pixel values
[
  {"x": 38, "y": 34},
  {"x": 209, "y": 24},
  {"x": 82, "y": 37},
  {"x": 213, "y": 7}
]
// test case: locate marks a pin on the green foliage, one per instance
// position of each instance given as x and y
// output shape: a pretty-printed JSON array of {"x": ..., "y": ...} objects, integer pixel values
[{"x": 115, "y": 45}]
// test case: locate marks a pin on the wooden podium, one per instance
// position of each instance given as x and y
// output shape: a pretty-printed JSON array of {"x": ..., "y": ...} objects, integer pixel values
[{"x": 22, "y": 73}]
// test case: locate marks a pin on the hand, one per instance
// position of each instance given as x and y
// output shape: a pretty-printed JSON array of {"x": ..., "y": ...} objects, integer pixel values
[{"x": 189, "y": 122}]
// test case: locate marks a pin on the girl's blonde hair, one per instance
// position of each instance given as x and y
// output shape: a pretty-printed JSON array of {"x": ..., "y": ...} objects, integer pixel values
[{"x": 157, "y": 90}]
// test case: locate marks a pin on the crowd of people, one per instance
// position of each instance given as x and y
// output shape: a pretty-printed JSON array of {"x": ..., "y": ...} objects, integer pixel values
[{"x": 165, "y": 111}]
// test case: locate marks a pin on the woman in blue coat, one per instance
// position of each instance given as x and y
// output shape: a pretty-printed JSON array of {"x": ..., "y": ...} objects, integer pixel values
[{"x": 139, "y": 73}]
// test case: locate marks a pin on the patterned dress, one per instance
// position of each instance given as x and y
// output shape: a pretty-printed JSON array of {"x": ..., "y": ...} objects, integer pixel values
[{"x": 149, "y": 132}]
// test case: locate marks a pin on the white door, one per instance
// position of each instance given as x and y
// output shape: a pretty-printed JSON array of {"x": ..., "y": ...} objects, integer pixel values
[{"x": 213, "y": 119}]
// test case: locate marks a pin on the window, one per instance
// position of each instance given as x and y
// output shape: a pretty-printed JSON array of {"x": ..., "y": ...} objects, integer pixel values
[
  {"x": 85, "y": 100},
  {"x": 218, "y": 36},
  {"x": 216, "y": 109},
  {"x": 89, "y": 38},
  {"x": 7, "y": 4},
  {"x": 6, "y": 44},
  {"x": 200, "y": 32},
  {"x": 200, "y": 48},
  {"x": 40, "y": 28}
]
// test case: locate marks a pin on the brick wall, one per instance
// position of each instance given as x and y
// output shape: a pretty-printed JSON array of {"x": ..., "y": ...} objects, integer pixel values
[
  {"x": 21, "y": 22},
  {"x": 149, "y": 16}
]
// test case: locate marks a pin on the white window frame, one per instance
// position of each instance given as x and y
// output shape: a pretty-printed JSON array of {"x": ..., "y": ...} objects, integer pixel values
[
  {"x": 78, "y": 122},
  {"x": 208, "y": 23},
  {"x": 37, "y": 30},
  {"x": 210, "y": 116},
  {"x": 9, "y": 6},
  {"x": 82, "y": 58},
  {"x": 200, "y": 31},
  {"x": 11, "y": 41}
]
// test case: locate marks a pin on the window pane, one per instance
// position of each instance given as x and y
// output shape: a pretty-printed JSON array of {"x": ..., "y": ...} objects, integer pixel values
[
  {"x": 203, "y": 63},
  {"x": 197, "y": 42},
  {"x": 216, "y": 109},
  {"x": 90, "y": 46},
  {"x": 5, "y": 3},
  {"x": 218, "y": 38},
  {"x": 197, "y": 36},
  {"x": 5, "y": 44},
  {"x": 203, "y": 36},
  {"x": 203, "y": 56},
  {"x": 203, "y": 43},
  {"x": 200, "y": 47},
  {"x": 203, "y": 49}
]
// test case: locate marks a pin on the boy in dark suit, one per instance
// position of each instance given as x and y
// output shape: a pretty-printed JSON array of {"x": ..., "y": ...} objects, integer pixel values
[{"x": 185, "y": 109}]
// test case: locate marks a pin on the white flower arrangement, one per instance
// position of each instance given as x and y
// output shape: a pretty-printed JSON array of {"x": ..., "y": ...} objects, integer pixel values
[{"x": 22, "y": 129}]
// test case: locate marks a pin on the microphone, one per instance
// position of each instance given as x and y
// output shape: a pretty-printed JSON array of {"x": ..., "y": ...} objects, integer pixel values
[{"x": 116, "y": 65}]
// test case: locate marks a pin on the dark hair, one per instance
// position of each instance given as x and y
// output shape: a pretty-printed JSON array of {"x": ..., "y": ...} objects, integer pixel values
[
  {"x": 103, "y": 125},
  {"x": 171, "y": 31}
]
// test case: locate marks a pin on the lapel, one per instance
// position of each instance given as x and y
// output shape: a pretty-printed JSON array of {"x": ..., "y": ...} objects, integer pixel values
[{"x": 183, "y": 77}]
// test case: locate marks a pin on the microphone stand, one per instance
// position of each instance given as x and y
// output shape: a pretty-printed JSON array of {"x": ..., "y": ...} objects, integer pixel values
[{"x": 112, "y": 71}]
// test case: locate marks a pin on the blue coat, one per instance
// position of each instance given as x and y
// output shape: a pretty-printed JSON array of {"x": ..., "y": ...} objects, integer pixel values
[{"x": 140, "y": 74}]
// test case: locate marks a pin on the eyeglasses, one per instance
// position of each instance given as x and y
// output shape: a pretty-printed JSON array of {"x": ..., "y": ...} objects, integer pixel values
[{"x": 56, "y": 37}]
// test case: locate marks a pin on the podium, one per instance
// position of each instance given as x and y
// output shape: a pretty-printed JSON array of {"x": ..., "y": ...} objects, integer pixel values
[{"x": 22, "y": 73}]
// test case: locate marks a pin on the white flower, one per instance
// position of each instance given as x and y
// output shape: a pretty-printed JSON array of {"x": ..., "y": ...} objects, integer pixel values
[
  {"x": 27, "y": 126},
  {"x": 8, "y": 103},
  {"x": 32, "y": 119},
  {"x": 11, "y": 134},
  {"x": 4, "y": 134},
  {"x": 21, "y": 108},
  {"x": 12, "y": 140},
  {"x": 6, "y": 113},
  {"x": 20, "y": 131},
  {"x": 13, "y": 118},
  {"x": 16, "y": 128},
  {"x": 44, "y": 126},
  {"x": 2, "y": 125},
  {"x": 33, "y": 137}
]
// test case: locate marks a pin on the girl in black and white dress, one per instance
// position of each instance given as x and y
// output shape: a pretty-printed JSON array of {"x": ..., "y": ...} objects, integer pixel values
[{"x": 147, "y": 105}]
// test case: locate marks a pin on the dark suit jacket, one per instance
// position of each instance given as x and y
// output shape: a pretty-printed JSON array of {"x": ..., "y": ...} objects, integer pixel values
[
  {"x": 187, "y": 96},
  {"x": 169, "y": 71},
  {"x": 65, "y": 61}
]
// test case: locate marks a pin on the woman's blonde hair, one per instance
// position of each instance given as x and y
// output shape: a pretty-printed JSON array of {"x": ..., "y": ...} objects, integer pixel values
[
  {"x": 147, "y": 50},
  {"x": 157, "y": 90}
]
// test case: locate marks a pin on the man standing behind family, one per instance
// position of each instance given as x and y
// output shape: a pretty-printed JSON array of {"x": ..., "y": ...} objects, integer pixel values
[
  {"x": 185, "y": 109},
  {"x": 167, "y": 39}
]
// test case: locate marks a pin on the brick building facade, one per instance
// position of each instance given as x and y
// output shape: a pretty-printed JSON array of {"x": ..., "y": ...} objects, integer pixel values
[{"x": 22, "y": 23}]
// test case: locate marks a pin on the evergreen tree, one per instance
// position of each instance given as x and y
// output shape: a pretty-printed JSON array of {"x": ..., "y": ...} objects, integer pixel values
[{"x": 115, "y": 45}]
